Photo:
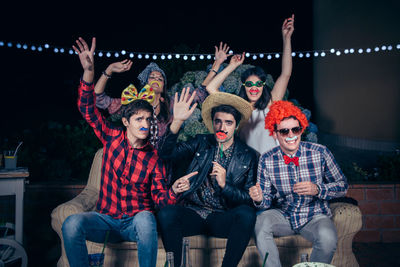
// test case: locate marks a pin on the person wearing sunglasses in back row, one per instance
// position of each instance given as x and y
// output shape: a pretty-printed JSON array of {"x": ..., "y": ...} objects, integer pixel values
[
  {"x": 255, "y": 90},
  {"x": 294, "y": 183}
]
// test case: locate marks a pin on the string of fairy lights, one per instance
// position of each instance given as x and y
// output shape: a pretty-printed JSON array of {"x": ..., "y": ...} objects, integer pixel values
[{"x": 384, "y": 48}]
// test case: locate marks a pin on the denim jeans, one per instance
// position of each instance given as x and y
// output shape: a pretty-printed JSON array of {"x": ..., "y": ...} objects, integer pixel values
[
  {"x": 93, "y": 226},
  {"x": 320, "y": 231}
]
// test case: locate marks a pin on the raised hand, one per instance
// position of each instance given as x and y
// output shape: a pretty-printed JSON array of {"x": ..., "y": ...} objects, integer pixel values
[
  {"x": 219, "y": 173},
  {"x": 183, "y": 183},
  {"x": 255, "y": 193},
  {"x": 221, "y": 54},
  {"x": 237, "y": 60},
  {"x": 182, "y": 109},
  {"x": 121, "y": 66},
  {"x": 288, "y": 27},
  {"x": 85, "y": 54}
]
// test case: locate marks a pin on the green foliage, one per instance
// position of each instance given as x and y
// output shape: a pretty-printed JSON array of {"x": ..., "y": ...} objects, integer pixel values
[{"x": 389, "y": 166}]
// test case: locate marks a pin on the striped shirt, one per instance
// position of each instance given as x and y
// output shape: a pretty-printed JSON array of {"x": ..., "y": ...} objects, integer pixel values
[
  {"x": 132, "y": 179},
  {"x": 316, "y": 164}
]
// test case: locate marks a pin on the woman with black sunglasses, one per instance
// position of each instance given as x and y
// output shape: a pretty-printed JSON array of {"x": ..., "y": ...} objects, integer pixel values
[{"x": 255, "y": 90}]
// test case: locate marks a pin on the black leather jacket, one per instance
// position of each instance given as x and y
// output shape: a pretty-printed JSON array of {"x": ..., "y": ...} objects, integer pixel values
[{"x": 197, "y": 154}]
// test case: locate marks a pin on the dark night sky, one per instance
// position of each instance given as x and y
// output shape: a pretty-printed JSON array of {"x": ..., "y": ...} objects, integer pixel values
[{"x": 40, "y": 86}]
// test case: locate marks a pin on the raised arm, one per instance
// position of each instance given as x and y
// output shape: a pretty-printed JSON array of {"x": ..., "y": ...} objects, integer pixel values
[
  {"x": 116, "y": 67},
  {"x": 86, "y": 102},
  {"x": 86, "y": 58},
  {"x": 221, "y": 54},
  {"x": 279, "y": 89},
  {"x": 104, "y": 101},
  {"x": 215, "y": 83}
]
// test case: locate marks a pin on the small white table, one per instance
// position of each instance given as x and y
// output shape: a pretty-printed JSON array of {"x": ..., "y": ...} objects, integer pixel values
[{"x": 12, "y": 182}]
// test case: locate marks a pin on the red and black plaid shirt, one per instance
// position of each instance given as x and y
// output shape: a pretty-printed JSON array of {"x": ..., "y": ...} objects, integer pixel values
[{"x": 132, "y": 179}]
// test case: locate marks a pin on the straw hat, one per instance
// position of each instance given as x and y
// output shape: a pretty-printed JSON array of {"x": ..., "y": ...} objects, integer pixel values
[{"x": 220, "y": 98}]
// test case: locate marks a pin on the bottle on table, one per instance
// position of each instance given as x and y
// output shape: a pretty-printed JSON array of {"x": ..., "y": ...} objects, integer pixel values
[
  {"x": 304, "y": 257},
  {"x": 170, "y": 260},
  {"x": 185, "y": 262}
]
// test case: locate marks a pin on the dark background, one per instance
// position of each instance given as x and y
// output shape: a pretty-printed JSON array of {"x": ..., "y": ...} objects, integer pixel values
[{"x": 39, "y": 86}]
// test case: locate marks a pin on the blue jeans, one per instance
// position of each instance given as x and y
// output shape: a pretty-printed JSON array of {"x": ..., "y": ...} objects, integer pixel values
[
  {"x": 320, "y": 231},
  {"x": 93, "y": 226}
]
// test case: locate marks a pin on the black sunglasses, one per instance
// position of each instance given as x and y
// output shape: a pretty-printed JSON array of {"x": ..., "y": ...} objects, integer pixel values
[{"x": 295, "y": 130}]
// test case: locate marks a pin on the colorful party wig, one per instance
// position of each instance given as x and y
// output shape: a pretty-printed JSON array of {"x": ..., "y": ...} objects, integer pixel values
[{"x": 281, "y": 110}]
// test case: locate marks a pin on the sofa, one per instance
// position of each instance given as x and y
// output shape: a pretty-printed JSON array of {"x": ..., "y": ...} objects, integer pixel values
[{"x": 206, "y": 251}]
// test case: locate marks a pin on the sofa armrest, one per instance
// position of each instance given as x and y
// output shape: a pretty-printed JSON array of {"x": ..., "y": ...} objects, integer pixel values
[
  {"x": 346, "y": 217},
  {"x": 85, "y": 201}
]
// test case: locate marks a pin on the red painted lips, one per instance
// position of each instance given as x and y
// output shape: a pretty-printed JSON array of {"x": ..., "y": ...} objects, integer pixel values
[{"x": 221, "y": 135}]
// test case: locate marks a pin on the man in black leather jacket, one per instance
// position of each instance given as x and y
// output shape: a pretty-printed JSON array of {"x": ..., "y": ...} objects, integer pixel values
[{"x": 216, "y": 201}]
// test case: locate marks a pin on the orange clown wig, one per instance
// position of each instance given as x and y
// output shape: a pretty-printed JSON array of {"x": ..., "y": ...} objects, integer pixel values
[{"x": 281, "y": 110}]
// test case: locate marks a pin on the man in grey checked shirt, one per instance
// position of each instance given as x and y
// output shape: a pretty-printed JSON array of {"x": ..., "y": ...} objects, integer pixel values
[{"x": 295, "y": 180}]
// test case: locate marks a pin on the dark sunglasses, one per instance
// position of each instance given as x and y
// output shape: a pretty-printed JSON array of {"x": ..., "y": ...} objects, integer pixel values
[
  {"x": 285, "y": 131},
  {"x": 250, "y": 84}
]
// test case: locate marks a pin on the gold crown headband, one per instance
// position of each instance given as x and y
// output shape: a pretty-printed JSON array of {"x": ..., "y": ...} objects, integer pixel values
[{"x": 130, "y": 94}]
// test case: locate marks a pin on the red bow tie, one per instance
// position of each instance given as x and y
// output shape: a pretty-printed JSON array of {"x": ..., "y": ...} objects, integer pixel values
[{"x": 288, "y": 159}]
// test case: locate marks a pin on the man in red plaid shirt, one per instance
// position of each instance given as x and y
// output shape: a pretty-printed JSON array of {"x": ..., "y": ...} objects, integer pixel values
[{"x": 133, "y": 182}]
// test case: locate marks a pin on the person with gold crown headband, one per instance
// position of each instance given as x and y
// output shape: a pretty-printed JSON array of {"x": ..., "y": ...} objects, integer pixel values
[
  {"x": 133, "y": 180},
  {"x": 300, "y": 178},
  {"x": 156, "y": 78}
]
